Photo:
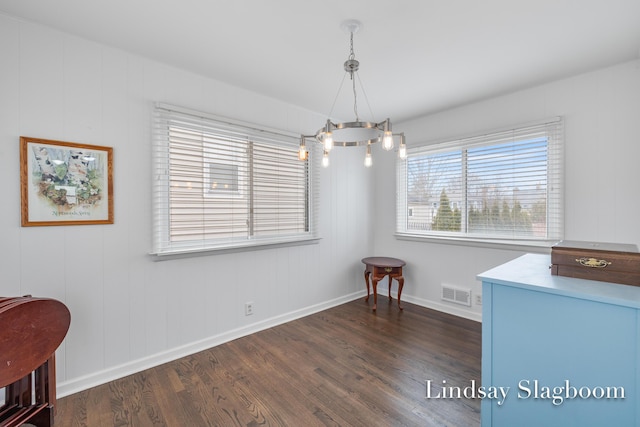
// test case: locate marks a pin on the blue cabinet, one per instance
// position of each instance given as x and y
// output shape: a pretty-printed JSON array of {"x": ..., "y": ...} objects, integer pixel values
[{"x": 564, "y": 351}]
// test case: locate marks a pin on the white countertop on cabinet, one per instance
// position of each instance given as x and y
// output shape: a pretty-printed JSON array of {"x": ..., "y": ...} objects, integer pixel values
[{"x": 531, "y": 271}]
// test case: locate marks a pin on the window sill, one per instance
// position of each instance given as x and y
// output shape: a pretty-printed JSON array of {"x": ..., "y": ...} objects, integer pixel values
[
  {"x": 190, "y": 253},
  {"x": 537, "y": 246}
]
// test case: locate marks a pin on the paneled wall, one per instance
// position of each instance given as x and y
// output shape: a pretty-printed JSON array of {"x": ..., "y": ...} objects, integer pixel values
[
  {"x": 130, "y": 311},
  {"x": 601, "y": 110}
]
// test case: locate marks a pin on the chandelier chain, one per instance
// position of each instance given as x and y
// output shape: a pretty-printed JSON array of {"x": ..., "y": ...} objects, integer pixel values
[
  {"x": 352, "y": 56},
  {"x": 355, "y": 98}
]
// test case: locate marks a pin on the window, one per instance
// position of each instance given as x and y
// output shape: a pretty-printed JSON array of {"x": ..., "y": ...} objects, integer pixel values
[
  {"x": 221, "y": 178},
  {"x": 504, "y": 186},
  {"x": 220, "y": 184}
]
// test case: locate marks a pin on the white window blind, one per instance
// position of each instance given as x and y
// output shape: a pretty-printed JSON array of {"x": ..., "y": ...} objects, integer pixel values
[
  {"x": 221, "y": 184},
  {"x": 502, "y": 186}
]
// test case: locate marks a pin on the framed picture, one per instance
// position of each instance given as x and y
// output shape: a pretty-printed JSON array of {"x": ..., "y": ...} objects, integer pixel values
[{"x": 65, "y": 183}]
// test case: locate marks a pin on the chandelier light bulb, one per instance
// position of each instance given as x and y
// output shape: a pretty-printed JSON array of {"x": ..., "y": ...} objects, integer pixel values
[
  {"x": 402, "y": 151},
  {"x": 327, "y": 138},
  {"x": 368, "y": 161},
  {"x": 387, "y": 141},
  {"x": 325, "y": 159},
  {"x": 402, "y": 148},
  {"x": 328, "y": 141},
  {"x": 303, "y": 154},
  {"x": 387, "y": 136}
]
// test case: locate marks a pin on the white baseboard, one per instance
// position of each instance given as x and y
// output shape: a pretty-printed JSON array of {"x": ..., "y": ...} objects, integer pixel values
[
  {"x": 445, "y": 308},
  {"x": 75, "y": 385}
]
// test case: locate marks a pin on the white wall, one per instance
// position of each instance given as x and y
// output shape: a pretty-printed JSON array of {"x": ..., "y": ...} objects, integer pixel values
[
  {"x": 129, "y": 311},
  {"x": 602, "y": 156}
]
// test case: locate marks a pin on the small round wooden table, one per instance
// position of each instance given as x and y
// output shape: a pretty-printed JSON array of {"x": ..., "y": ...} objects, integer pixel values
[{"x": 377, "y": 268}]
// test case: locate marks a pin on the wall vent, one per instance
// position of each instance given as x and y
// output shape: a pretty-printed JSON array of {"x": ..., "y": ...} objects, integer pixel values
[{"x": 456, "y": 295}]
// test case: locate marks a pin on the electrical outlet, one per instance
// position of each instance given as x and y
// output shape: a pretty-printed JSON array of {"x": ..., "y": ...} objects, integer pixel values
[
  {"x": 248, "y": 308},
  {"x": 478, "y": 299}
]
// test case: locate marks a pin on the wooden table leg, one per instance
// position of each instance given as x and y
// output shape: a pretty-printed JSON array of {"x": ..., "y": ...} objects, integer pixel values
[
  {"x": 367, "y": 273},
  {"x": 374, "y": 282},
  {"x": 400, "y": 280}
]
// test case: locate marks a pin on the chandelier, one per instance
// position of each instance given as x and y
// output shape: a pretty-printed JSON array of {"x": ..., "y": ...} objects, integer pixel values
[{"x": 355, "y": 133}]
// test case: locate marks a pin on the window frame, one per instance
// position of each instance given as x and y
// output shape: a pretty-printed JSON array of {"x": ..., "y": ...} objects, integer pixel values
[
  {"x": 554, "y": 199},
  {"x": 165, "y": 117}
]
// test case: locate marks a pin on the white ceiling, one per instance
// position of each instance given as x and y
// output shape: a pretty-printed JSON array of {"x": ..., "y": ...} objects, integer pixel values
[{"x": 416, "y": 56}]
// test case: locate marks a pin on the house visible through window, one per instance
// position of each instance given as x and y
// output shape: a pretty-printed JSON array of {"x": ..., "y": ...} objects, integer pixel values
[
  {"x": 500, "y": 186},
  {"x": 221, "y": 178},
  {"x": 221, "y": 185}
]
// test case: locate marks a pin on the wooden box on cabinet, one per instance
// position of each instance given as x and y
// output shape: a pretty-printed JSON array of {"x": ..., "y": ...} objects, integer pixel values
[{"x": 605, "y": 262}]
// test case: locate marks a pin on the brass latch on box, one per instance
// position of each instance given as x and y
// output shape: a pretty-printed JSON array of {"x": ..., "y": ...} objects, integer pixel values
[{"x": 593, "y": 262}]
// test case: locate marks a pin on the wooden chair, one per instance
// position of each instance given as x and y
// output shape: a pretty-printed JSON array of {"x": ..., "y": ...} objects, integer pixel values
[{"x": 31, "y": 329}]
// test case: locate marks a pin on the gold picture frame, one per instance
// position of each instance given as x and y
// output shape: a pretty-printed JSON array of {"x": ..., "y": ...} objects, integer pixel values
[{"x": 65, "y": 183}]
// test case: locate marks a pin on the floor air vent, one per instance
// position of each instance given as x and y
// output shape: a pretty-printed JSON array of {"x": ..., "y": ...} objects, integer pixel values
[{"x": 455, "y": 295}]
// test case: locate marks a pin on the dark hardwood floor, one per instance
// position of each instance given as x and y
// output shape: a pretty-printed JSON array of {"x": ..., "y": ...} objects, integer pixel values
[{"x": 345, "y": 366}]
